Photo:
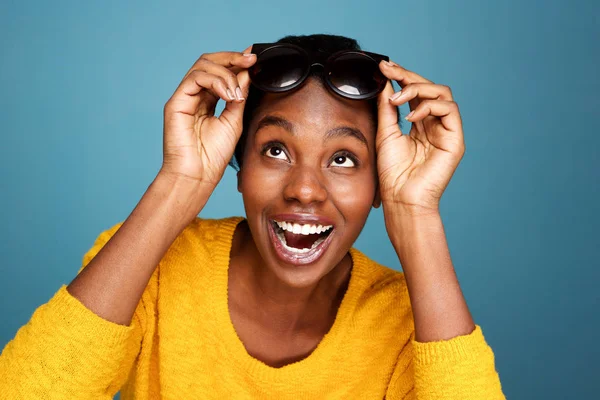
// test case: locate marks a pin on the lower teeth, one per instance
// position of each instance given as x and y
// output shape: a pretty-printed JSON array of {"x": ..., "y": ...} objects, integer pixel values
[{"x": 281, "y": 237}]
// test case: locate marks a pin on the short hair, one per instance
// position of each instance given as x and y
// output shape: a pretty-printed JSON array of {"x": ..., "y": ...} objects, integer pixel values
[{"x": 311, "y": 43}]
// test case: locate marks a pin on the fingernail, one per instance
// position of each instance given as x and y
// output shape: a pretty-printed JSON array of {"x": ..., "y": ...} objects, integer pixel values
[
  {"x": 409, "y": 115},
  {"x": 388, "y": 63},
  {"x": 230, "y": 95},
  {"x": 240, "y": 95},
  {"x": 248, "y": 55},
  {"x": 395, "y": 96}
]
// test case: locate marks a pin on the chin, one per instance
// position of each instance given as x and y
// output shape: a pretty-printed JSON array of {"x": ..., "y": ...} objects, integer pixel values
[{"x": 300, "y": 278}]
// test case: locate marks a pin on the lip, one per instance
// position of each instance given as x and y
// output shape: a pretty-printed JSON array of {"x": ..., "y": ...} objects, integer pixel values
[
  {"x": 294, "y": 258},
  {"x": 303, "y": 219}
]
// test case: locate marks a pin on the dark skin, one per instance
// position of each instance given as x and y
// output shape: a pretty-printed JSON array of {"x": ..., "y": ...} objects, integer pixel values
[
  {"x": 281, "y": 312},
  {"x": 414, "y": 169}
]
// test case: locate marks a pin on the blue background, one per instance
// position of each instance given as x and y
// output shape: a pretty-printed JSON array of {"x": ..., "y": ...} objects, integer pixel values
[{"x": 82, "y": 86}]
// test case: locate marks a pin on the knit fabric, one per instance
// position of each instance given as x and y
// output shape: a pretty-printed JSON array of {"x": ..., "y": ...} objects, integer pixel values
[{"x": 181, "y": 343}]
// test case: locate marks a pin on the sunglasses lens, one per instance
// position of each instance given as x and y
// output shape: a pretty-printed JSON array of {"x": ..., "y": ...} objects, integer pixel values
[
  {"x": 356, "y": 75},
  {"x": 278, "y": 68}
]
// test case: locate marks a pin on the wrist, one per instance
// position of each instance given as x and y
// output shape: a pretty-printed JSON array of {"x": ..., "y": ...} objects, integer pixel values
[
  {"x": 406, "y": 226},
  {"x": 397, "y": 214},
  {"x": 184, "y": 197}
]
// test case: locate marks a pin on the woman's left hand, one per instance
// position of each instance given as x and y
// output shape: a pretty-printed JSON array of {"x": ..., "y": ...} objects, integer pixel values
[{"x": 415, "y": 169}]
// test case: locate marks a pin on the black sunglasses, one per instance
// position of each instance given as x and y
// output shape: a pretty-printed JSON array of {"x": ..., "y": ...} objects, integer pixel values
[{"x": 353, "y": 74}]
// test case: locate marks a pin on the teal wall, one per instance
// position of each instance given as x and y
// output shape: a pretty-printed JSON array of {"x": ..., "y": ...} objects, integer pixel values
[{"x": 82, "y": 86}]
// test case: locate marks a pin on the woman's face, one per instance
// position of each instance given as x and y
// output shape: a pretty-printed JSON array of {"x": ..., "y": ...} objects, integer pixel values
[{"x": 308, "y": 180}]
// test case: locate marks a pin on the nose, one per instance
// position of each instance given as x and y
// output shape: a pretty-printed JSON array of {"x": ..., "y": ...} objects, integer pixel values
[{"x": 305, "y": 186}]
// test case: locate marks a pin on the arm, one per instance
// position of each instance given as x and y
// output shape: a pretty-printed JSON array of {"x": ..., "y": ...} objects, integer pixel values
[
  {"x": 79, "y": 349},
  {"x": 197, "y": 148},
  {"x": 439, "y": 308},
  {"x": 112, "y": 284},
  {"x": 83, "y": 342},
  {"x": 448, "y": 353}
]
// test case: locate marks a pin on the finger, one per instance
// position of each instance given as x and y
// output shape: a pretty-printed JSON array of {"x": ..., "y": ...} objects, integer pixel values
[
  {"x": 248, "y": 50},
  {"x": 229, "y": 59},
  {"x": 233, "y": 113},
  {"x": 233, "y": 87},
  {"x": 422, "y": 91},
  {"x": 447, "y": 111},
  {"x": 186, "y": 100},
  {"x": 400, "y": 74},
  {"x": 387, "y": 114}
]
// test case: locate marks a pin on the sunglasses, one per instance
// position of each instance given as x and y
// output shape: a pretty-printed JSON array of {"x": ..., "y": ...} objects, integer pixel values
[{"x": 353, "y": 74}]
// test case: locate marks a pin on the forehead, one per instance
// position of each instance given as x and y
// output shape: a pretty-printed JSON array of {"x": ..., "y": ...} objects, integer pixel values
[{"x": 314, "y": 106}]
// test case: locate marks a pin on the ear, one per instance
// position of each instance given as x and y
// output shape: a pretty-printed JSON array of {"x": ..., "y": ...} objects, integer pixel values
[
  {"x": 377, "y": 199},
  {"x": 239, "y": 181}
]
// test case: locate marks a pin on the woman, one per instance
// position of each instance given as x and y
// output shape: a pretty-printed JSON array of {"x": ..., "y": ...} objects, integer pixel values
[{"x": 277, "y": 305}]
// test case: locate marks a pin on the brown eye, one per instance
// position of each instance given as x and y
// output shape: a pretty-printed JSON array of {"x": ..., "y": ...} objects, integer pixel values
[
  {"x": 275, "y": 151},
  {"x": 343, "y": 161}
]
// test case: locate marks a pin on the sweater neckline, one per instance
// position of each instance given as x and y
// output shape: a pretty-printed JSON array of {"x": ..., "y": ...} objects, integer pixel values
[{"x": 234, "y": 347}]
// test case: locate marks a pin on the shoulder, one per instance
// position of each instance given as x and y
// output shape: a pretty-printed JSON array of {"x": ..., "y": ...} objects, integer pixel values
[
  {"x": 203, "y": 246},
  {"x": 211, "y": 228},
  {"x": 376, "y": 278},
  {"x": 208, "y": 233},
  {"x": 200, "y": 235},
  {"x": 380, "y": 294}
]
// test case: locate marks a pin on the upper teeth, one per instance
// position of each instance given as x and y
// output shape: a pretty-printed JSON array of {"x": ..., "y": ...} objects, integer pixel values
[{"x": 305, "y": 229}]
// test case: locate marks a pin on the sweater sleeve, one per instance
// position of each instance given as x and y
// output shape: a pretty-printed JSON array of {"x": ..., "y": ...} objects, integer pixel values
[
  {"x": 459, "y": 368},
  {"x": 66, "y": 351}
]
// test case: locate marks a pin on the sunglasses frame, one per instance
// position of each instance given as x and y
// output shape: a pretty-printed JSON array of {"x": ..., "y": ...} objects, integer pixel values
[{"x": 317, "y": 59}]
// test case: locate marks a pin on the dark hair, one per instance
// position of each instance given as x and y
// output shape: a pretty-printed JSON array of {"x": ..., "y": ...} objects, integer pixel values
[{"x": 311, "y": 43}]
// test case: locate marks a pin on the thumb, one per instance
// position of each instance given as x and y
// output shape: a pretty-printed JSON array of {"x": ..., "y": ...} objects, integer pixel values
[{"x": 233, "y": 113}]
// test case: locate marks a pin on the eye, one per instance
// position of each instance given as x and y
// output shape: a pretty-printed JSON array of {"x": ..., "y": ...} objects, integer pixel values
[
  {"x": 275, "y": 150},
  {"x": 343, "y": 160}
]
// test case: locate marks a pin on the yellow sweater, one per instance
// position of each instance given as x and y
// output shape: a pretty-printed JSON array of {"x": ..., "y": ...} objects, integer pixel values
[{"x": 181, "y": 343}]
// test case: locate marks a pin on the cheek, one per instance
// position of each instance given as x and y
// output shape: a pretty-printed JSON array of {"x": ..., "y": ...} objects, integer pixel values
[
  {"x": 259, "y": 185},
  {"x": 353, "y": 195}
]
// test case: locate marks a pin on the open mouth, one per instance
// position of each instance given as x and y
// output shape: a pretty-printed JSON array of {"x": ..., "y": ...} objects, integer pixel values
[{"x": 300, "y": 243}]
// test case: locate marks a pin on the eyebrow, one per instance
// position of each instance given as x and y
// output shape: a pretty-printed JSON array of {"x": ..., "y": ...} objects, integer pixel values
[
  {"x": 271, "y": 120},
  {"x": 340, "y": 131}
]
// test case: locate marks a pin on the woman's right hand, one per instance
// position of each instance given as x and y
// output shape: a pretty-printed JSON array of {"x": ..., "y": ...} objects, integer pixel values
[{"x": 198, "y": 146}]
